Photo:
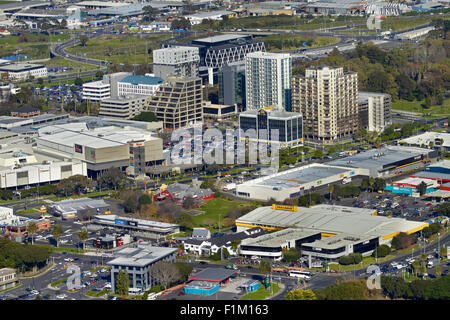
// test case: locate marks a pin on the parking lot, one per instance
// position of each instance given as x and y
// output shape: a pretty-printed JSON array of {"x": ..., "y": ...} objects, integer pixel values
[{"x": 42, "y": 283}]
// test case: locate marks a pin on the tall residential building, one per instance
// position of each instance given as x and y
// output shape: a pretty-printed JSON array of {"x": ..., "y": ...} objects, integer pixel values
[
  {"x": 268, "y": 80},
  {"x": 176, "y": 61},
  {"x": 138, "y": 85},
  {"x": 178, "y": 102},
  {"x": 328, "y": 99},
  {"x": 231, "y": 80},
  {"x": 375, "y": 110},
  {"x": 107, "y": 87}
]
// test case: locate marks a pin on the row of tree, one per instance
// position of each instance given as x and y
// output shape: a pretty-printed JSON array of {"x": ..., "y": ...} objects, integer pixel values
[
  {"x": 22, "y": 257},
  {"x": 405, "y": 73},
  {"x": 434, "y": 289}
]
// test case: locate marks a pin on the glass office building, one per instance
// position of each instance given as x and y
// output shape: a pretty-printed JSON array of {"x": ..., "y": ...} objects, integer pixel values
[{"x": 289, "y": 126}]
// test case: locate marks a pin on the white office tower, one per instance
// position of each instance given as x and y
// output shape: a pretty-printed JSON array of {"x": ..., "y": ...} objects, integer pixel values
[
  {"x": 268, "y": 80},
  {"x": 176, "y": 61}
]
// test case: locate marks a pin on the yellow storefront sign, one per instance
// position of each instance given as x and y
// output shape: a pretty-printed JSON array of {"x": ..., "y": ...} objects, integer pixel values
[{"x": 284, "y": 208}]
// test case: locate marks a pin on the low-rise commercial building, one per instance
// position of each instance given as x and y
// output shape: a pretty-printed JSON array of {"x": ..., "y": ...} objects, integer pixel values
[
  {"x": 40, "y": 173},
  {"x": 25, "y": 112},
  {"x": 71, "y": 208},
  {"x": 96, "y": 91},
  {"x": 294, "y": 182},
  {"x": 437, "y": 140},
  {"x": 137, "y": 227},
  {"x": 124, "y": 107},
  {"x": 7, "y": 217},
  {"x": 137, "y": 262},
  {"x": 8, "y": 278},
  {"x": 272, "y": 125},
  {"x": 213, "y": 245},
  {"x": 23, "y": 71},
  {"x": 101, "y": 148},
  {"x": 209, "y": 281},
  {"x": 138, "y": 85},
  {"x": 218, "y": 111},
  {"x": 322, "y": 231},
  {"x": 386, "y": 161},
  {"x": 20, "y": 228}
]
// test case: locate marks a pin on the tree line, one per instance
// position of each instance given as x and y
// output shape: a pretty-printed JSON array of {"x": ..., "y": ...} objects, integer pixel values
[
  {"x": 22, "y": 257},
  {"x": 405, "y": 73}
]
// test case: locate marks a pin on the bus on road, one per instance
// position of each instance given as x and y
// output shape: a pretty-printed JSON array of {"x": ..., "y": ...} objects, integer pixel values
[{"x": 300, "y": 274}]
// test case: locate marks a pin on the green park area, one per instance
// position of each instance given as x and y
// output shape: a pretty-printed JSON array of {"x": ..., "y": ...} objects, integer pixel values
[
  {"x": 262, "y": 293},
  {"x": 61, "y": 62},
  {"x": 277, "y": 42},
  {"x": 216, "y": 210},
  {"x": 126, "y": 49},
  {"x": 420, "y": 107},
  {"x": 274, "y": 22},
  {"x": 35, "y": 46}
]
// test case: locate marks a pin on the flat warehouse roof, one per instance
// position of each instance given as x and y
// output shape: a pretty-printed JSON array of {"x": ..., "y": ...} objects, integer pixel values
[
  {"x": 297, "y": 176},
  {"x": 337, "y": 241},
  {"x": 220, "y": 38},
  {"x": 431, "y": 175},
  {"x": 331, "y": 219},
  {"x": 278, "y": 238},
  {"x": 378, "y": 158},
  {"x": 213, "y": 274},
  {"x": 141, "y": 256}
]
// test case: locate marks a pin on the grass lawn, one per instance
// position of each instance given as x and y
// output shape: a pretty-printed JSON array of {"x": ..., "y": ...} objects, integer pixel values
[
  {"x": 31, "y": 210},
  {"x": 262, "y": 293},
  {"x": 416, "y": 106},
  {"x": 56, "y": 283},
  {"x": 35, "y": 48},
  {"x": 367, "y": 261},
  {"x": 282, "y": 41},
  {"x": 128, "y": 48},
  {"x": 213, "y": 209},
  {"x": 77, "y": 66}
]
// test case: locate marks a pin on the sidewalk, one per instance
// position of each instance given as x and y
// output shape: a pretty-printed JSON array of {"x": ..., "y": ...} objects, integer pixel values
[
  {"x": 282, "y": 286},
  {"x": 39, "y": 274}
]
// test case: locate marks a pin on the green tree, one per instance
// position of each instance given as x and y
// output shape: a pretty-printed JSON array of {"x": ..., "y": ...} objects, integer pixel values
[
  {"x": 56, "y": 232},
  {"x": 443, "y": 252},
  {"x": 330, "y": 189},
  {"x": 130, "y": 205},
  {"x": 438, "y": 271},
  {"x": 83, "y": 235},
  {"x": 32, "y": 229},
  {"x": 416, "y": 266},
  {"x": 122, "y": 283},
  {"x": 265, "y": 267},
  {"x": 78, "y": 82},
  {"x": 291, "y": 255},
  {"x": 299, "y": 294},
  {"x": 381, "y": 251},
  {"x": 150, "y": 13},
  {"x": 184, "y": 270},
  {"x": 112, "y": 178},
  {"x": 83, "y": 40},
  {"x": 146, "y": 116},
  {"x": 422, "y": 188},
  {"x": 99, "y": 74},
  {"x": 144, "y": 199}
]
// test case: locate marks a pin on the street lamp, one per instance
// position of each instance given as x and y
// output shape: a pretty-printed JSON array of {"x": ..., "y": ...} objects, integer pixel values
[{"x": 439, "y": 246}]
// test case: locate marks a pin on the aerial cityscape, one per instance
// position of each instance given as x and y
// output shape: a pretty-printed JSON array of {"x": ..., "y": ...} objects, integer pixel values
[{"x": 242, "y": 151}]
